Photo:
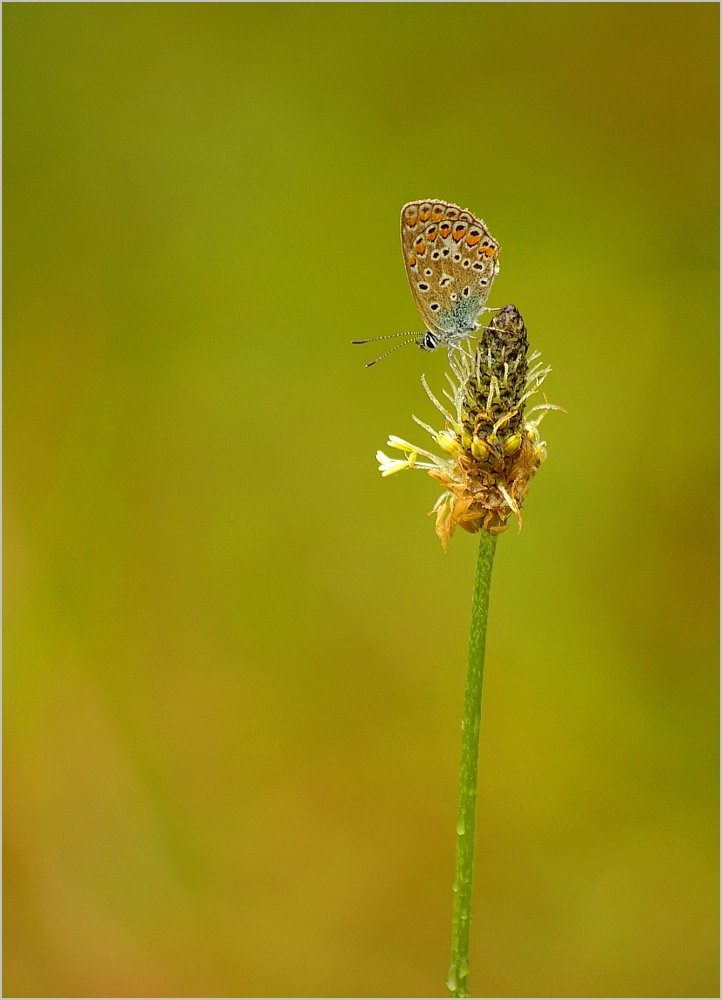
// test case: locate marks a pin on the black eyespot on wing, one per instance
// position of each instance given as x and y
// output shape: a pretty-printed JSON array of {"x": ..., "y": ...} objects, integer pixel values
[{"x": 423, "y": 286}]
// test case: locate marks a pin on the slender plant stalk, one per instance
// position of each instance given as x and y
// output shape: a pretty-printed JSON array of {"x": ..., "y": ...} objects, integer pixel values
[
  {"x": 457, "y": 978},
  {"x": 492, "y": 451}
]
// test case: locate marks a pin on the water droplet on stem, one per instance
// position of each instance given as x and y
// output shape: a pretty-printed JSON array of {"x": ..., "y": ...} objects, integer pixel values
[{"x": 451, "y": 978}]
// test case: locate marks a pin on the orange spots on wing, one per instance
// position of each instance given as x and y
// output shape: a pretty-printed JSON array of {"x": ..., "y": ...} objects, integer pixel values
[
  {"x": 425, "y": 213},
  {"x": 489, "y": 251},
  {"x": 458, "y": 232},
  {"x": 437, "y": 213},
  {"x": 432, "y": 233},
  {"x": 473, "y": 238},
  {"x": 444, "y": 229},
  {"x": 420, "y": 246},
  {"x": 412, "y": 260},
  {"x": 411, "y": 215}
]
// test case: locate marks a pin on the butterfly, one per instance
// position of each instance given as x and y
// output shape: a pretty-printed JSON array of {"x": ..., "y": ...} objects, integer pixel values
[{"x": 451, "y": 260}]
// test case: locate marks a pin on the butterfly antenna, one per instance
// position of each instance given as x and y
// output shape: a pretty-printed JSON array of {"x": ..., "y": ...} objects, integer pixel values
[
  {"x": 414, "y": 340},
  {"x": 409, "y": 333}
]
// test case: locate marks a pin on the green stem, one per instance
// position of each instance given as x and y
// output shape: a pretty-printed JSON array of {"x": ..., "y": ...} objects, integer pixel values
[{"x": 456, "y": 979}]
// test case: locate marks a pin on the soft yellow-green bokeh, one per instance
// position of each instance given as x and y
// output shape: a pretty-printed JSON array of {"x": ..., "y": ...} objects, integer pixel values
[{"x": 234, "y": 656}]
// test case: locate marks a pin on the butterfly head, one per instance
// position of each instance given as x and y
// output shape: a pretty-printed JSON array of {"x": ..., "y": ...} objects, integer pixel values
[{"x": 429, "y": 341}]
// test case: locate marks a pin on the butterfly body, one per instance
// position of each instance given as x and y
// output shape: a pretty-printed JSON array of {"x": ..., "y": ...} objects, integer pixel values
[{"x": 451, "y": 260}]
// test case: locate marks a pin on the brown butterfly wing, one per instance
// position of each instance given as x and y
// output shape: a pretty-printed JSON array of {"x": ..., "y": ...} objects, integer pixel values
[{"x": 451, "y": 260}]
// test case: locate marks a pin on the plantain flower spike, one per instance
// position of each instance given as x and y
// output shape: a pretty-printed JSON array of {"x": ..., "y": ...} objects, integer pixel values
[{"x": 492, "y": 447}]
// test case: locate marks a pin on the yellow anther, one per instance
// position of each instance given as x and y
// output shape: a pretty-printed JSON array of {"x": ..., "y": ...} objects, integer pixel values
[
  {"x": 448, "y": 444},
  {"x": 479, "y": 449},
  {"x": 512, "y": 444}
]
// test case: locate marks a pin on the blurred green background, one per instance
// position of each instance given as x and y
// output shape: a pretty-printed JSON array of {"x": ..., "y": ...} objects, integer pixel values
[{"x": 234, "y": 655}]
